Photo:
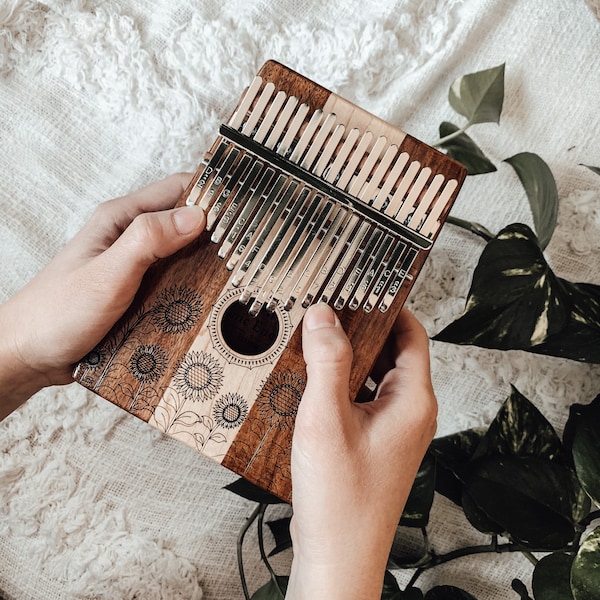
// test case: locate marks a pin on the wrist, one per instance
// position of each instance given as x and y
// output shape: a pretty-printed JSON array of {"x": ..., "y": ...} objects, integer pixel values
[{"x": 18, "y": 379}]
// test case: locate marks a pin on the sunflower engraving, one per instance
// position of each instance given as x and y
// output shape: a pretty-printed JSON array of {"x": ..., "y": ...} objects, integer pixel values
[
  {"x": 279, "y": 398},
  {"x": 230, "y": 411},
  {"x": 199, "y": 376},
  {"x": 177, "y": 309},
  {"x": 147, "y": 363}
]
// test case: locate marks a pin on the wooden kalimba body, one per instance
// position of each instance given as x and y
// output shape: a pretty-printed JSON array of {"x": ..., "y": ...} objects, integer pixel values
[{"x": 308, "y": 199}]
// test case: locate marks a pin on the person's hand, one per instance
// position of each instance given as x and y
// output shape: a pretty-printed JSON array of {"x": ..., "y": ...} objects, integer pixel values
[
  {"x": 73, "y": 302},
  {"x": 353, "y": 464}
]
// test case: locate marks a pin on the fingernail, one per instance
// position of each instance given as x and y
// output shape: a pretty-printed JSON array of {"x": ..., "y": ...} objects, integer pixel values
[
  {"x": 319, "y": 316},
  {"x": 187, "y": 219}
]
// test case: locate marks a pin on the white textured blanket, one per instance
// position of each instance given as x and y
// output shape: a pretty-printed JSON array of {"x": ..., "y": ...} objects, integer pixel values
[{"x": 99, "y": 98}]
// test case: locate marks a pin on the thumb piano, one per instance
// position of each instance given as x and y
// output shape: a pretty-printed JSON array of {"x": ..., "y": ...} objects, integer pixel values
[{"x": 308, "y": 199}]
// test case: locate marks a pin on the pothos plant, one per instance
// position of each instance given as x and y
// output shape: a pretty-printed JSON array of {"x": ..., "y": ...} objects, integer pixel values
[{"x": 516, "y": 480}]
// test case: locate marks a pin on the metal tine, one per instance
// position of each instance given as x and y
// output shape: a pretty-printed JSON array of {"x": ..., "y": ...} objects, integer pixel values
[
  {"x": 244, "y": 197},
  {"x": 357, "y": 183},
  {"x": 222, "y": 178},
  {"x": 269, "y": 118},
  {"x": 401, "y": 275},
  {"x": 332, "y": 172},
  {"x": 259, "y": 258},
  {"x": 216, "y": 178},
  {"x": 286, "y": 251},
  {"x": 208, "y": 173},
  {"x": 311, "y": 154},
  {"x": 385, "y": 276},
  {"x": 300, "y": 257},
  {"x": 349, "y": 254},
  {"x": 336, "y": 248},
  {"x": 306, "y": 136},
  {"x": 354, "y": 159},
  {"x": 329, "y": 149},
  {"x": 281, "y": 122},
  {"x": 259, "y": 108},
  {"x": 249, "y": 249},
  {"x": 248, "y": 209},
  {"x": 238, "y": 116},
  {"x": 363, "y": 255},
  {"x": 293, "y": 129},
  {"x": 405, "y": 182},
  {"x": 370, "y": 270},
  {"x": 367, "y": 192},
  {"x": 426, "y": 201},
  {"x": 314, "y": 259},
  {"x": 432, "y": 223},
  {"x": 390, "y": 181},
  {"x": 413, "y": 196}
]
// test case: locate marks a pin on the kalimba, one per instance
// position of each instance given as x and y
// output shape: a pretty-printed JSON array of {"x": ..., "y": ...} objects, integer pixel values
[{"x": 308, "y": 199}]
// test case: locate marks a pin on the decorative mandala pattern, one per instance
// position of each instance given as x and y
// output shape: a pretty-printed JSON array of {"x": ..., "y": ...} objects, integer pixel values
[
  {"x": 230, "y": 411},
  {"x": 279, "y": 398},
  {"x": 199, "y": 376},
  {"x": 147, "y": 363},
  {"x": 177, "y": 309}
]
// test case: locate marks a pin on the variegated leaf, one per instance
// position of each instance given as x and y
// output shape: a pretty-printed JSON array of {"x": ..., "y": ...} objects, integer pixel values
[
  {"x": 516, "y": 302},
  {"x": 585, "y": 572}
]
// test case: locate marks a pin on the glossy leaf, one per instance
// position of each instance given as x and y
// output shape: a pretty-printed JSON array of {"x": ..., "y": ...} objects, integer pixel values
[
  {"x": 479, "y": 96},
  {"x": 272, "y": 590},
  {"x": 533, "y": 500},
  {"x": 248, "y": 490},
  {"x": 281, "y": 532},
  {"x": 585, "y": 572},
  {"x": 540, "y": 186},
  {"x": 391, "y": 589},
  {"x": 463, "y": 149},
  {"x": 420, "y": 499},
  {"x": 520, "y": 429},
  {"x": 516, "y": 302},
  {"x": 448, "y": 592},
  {"x": 552, "y": 577},
  {"x": 593, "y": 169},
  {"x": 583, "y": 433},
  {"x": 452, "y": 452}
]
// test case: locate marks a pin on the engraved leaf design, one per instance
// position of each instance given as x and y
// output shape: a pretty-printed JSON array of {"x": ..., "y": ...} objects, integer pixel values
[
  {"x": 479, "y": 96},
  {"x": 540, "y": 186},
  {"x": 516, "y": 302},
  {"x": 463, "y": 149}
]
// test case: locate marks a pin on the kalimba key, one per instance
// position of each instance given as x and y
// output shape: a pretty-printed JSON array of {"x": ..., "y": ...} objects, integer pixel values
[{"x": 308, "y": 199}]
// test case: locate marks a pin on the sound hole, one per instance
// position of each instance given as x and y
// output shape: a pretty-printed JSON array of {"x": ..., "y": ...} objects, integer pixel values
[{"x": 248, "y": 335}]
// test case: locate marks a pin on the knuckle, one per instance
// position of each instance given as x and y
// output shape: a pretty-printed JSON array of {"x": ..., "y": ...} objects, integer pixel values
[
  {"x": 145, "y": 228},
  {"x": 334, "y": 350}
]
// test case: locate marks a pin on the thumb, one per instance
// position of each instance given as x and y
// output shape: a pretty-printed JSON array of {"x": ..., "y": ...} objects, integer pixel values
[
  {"x": 328, "y": 357},
  {"x": 154, "y": 235}
]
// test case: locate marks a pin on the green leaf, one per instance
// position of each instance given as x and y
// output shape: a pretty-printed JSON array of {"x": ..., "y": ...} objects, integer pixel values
[
  {"x": 391, "y": 589},
  {"x": 281, "y": 532},
  {"x": 516, "y": 302},
  {"x": 420, "y": 499},
  {"x": 448, "y": 592},
  {"x": 463, "y": 149},
  {"x": 248, "y": 490},
  {"x": 539, "y": 184},
  {"x": 551, "y": 577},
  {"x": 583, "y": 433},
  {"x": 593, "y": 169},
  {"x": 533, "y": 500},
  {"x": 520, "y": 429},
  {"x": 272, "y": 590},
  {"x": 585, "y": 572},
  {"x": 479, "y": 96},
  {"x": 452, "y": 452}
]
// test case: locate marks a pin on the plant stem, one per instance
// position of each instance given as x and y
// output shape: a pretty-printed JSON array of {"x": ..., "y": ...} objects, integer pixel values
[
  {"x": 475, "y": 228},
  {"x": 591, "y": 517},
  {"x": 261, "y": 546},
  {"x": 530, "y": 557},
  {"x": 451, "y": 136},
  {"x": 240, "y": 544}
]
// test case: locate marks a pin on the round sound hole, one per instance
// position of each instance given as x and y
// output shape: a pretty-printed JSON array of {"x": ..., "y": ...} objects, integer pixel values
[{"x": 247, "y": 335}]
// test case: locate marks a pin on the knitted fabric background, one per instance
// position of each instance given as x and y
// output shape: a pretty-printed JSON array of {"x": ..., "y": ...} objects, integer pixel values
[{"x": 100, "y": 98}]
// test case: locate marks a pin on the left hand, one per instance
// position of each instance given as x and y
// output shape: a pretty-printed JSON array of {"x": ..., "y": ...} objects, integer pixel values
[{"x": 73, "y": 302}]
